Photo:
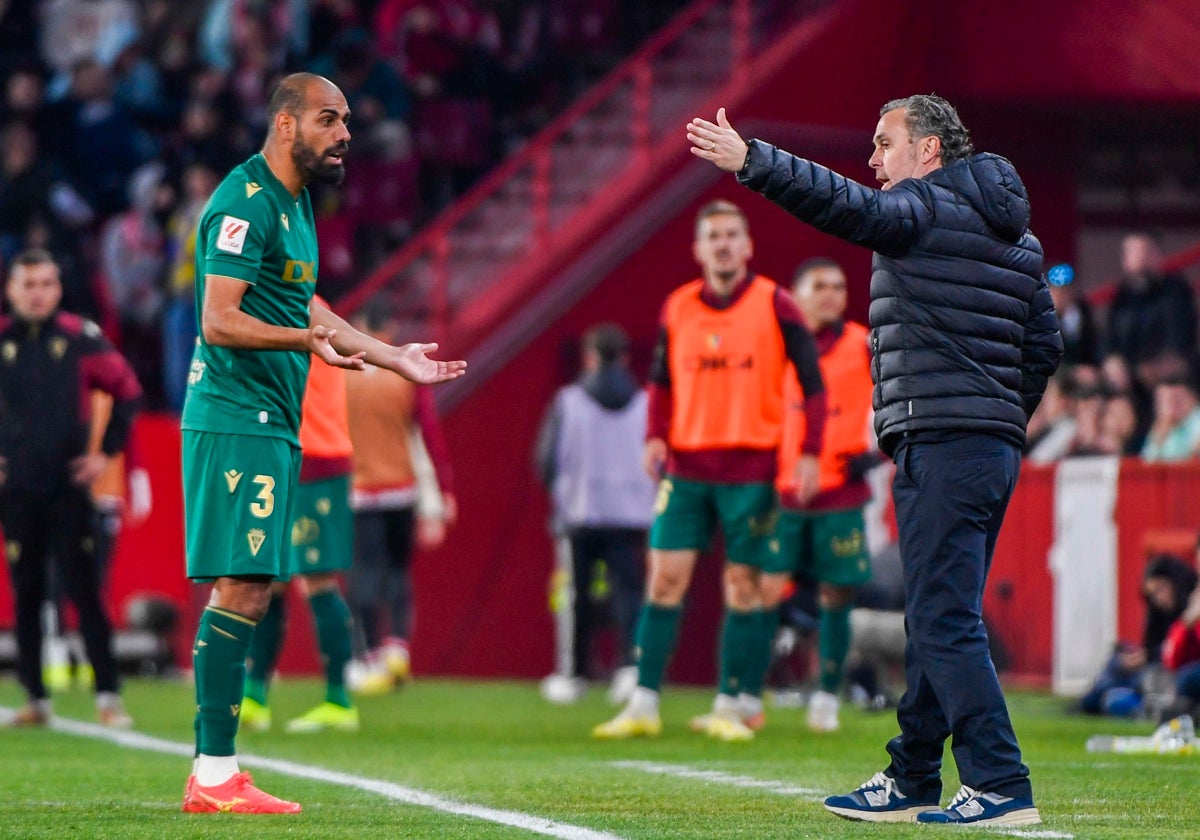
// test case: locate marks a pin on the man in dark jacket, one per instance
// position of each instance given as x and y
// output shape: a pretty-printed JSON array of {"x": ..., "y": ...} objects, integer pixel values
[
  {"x": 964, "y": 337},
  {"x": 50, "y": 364}
]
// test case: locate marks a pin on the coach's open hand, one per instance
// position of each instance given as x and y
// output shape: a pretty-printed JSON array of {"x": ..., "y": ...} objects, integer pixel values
[{"x": 717, "y": 142}]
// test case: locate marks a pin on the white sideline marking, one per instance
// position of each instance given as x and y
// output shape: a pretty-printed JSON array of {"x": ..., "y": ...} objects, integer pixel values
[
  {"x": 682, "y": 771},
  {"x": 1021, "y": 832},
  {"x": 399, "y": 793}
]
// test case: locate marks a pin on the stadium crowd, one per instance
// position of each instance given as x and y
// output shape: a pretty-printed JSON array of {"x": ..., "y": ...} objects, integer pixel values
[{"x": 170, "y": 96}]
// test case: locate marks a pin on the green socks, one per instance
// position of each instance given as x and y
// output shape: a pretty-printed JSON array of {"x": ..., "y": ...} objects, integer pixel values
[
  {"x": 264, "y": 649},
  {"x": 833, "y": 645},
  {"x": 656, "y": 633},
  {"x": 739, "y": 636},
  {"x": 759, "y": 658},
  {"x": 219, "y": 660},
  {"x": 333, "y": 639}
]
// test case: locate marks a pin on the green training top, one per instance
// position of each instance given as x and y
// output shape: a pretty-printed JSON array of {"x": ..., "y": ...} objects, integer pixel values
[{"x": 253, "y": 230}]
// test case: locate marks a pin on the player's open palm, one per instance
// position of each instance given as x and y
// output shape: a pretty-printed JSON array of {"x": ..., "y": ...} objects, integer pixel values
[{"x": 412, "y": 362}]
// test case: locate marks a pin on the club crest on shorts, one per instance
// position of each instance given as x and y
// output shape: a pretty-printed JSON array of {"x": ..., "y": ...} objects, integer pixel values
[{"x": 255, "y": 537}]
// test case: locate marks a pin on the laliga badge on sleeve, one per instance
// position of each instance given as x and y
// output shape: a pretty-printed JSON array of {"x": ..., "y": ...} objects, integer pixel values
[{"x": 232, "y": 236}]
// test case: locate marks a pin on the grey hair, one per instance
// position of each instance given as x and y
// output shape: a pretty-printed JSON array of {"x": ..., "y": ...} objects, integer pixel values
[{"x": 928, "y": 115}]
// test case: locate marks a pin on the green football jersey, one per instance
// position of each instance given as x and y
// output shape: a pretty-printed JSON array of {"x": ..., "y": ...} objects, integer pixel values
[{"x": 253, "y": 230}]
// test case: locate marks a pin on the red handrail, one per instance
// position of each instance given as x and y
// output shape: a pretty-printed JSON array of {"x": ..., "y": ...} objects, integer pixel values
[{"x": 433, "y": 244}]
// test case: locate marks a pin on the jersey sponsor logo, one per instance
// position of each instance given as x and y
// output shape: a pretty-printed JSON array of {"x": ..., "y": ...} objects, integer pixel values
[
  {"x": 296, "y": 271},
  {"x": 251, "y": 188},
  {"x": 720, "y": 361},
  {"x": 232, "y": 237},
  {"x": 283, "y": 218},
  {"x": 234, "y": 708},
  {"x": 232, "y": 477},
  {"x": 255, "y": 537}
]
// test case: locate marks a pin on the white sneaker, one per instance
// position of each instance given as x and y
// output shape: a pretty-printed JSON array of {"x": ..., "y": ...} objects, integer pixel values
[
  {"x": 563, "y": 690},
  {"x": 823, "y": 712},
  {"x": 624, "y": 681}
]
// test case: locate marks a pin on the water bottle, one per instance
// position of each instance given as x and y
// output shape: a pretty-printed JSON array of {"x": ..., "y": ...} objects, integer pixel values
[{"x": 1175, "y": 737}]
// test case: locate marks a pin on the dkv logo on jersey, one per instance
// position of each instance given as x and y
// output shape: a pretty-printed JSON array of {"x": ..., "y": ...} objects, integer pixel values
[{"x": 232, "y": 236}]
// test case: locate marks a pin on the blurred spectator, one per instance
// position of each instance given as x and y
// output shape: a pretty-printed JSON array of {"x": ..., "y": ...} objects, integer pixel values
[
  {"x": 1181, "y": 652},
  {"x": 1051, "y": 429},
  {"x": 84, "y": 31},
  {"x": 133, "y": 264},
  {"x": 32, "y": 186},
  {"x": 1175, "y": 433},
  {"x": 1153, "y": 315},
  {"x": 1081, "y": 341},
  {"x": 1167, "y": 585},
  {"x": 95, "y": 128},
  {"x": 1089, "y": 400},
  {"x": 373, "y": 89},
  {"x": 1120, "y": 426},
  {"x": 179, "y": 317}
]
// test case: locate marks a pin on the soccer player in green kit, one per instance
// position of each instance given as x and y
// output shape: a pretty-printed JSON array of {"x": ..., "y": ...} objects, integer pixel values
[{"x": 256, "y": 271}]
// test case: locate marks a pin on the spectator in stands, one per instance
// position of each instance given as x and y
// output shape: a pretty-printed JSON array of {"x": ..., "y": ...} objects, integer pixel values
[
  {"x": 1167, "y": 585},
  {"x": 54, "y": 361},
  {"x": 390, "y": 420},
  {"x": 1120, "y": 429},
  {"x": 95, "y": 128},
  {"x": 133, "y": 263},
  {"x": 1052, "y": 427},
  {"x": 179, "y": 314},
  {"x": 33, "y": 185},
  {"x": 1175, "y": 433},
  {"x": 1081, "y": 339},
  {"x": 1153, "y": 314},
  {"x": 589, "y": 456},
  {"x": 1181, "y": 647},
  {"x": 1088, "y": 408}
]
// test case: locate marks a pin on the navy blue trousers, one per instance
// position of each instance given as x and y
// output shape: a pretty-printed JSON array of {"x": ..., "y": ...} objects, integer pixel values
[{"x": 950, "y": 497}]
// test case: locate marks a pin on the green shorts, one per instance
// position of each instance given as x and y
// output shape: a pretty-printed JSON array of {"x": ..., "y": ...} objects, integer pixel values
[
  {"x": 323, "y": 530},
  {"x": 828, "y": 546},
  {"x": 687, "y": 512},
  {"x": 238, "y": 494}
]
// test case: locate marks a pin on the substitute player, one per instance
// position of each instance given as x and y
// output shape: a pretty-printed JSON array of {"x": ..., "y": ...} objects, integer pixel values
[
  {"x": 715, "y": 421},
  {"x": 322, "y": 547},
  {"x": 256, "y": 269}
]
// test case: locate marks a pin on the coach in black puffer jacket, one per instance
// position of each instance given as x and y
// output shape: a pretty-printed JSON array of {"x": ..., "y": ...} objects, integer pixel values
[
  {"x": 964, "y": 336},
  {"x": 963, "y": 328}
]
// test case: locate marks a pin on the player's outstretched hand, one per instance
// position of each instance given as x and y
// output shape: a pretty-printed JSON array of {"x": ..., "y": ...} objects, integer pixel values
[
  {"x": 319, "y": 345},
  {"x": 717, "y": 142},
  {"x": 412, "y": 362}
]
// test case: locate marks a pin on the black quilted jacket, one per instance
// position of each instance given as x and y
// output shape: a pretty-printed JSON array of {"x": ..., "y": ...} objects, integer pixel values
[{"x": 963, "y": 330}]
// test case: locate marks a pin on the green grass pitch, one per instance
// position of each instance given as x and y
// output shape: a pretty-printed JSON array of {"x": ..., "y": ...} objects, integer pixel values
[{"x": 499, "y": 746}]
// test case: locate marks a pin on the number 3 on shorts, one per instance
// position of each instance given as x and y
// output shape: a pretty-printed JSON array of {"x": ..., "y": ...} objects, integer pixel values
[{"x": 266, "y": 497}]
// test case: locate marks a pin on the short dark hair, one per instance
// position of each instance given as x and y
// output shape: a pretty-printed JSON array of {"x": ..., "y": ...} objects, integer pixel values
[
  {"x": 720, "y": 207},
  {"x": 813, "y": 264},
  {"x": 34, "y": 256},
  {"x": 608, "y": 341},
  {"x": 929, "y": 115}
]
